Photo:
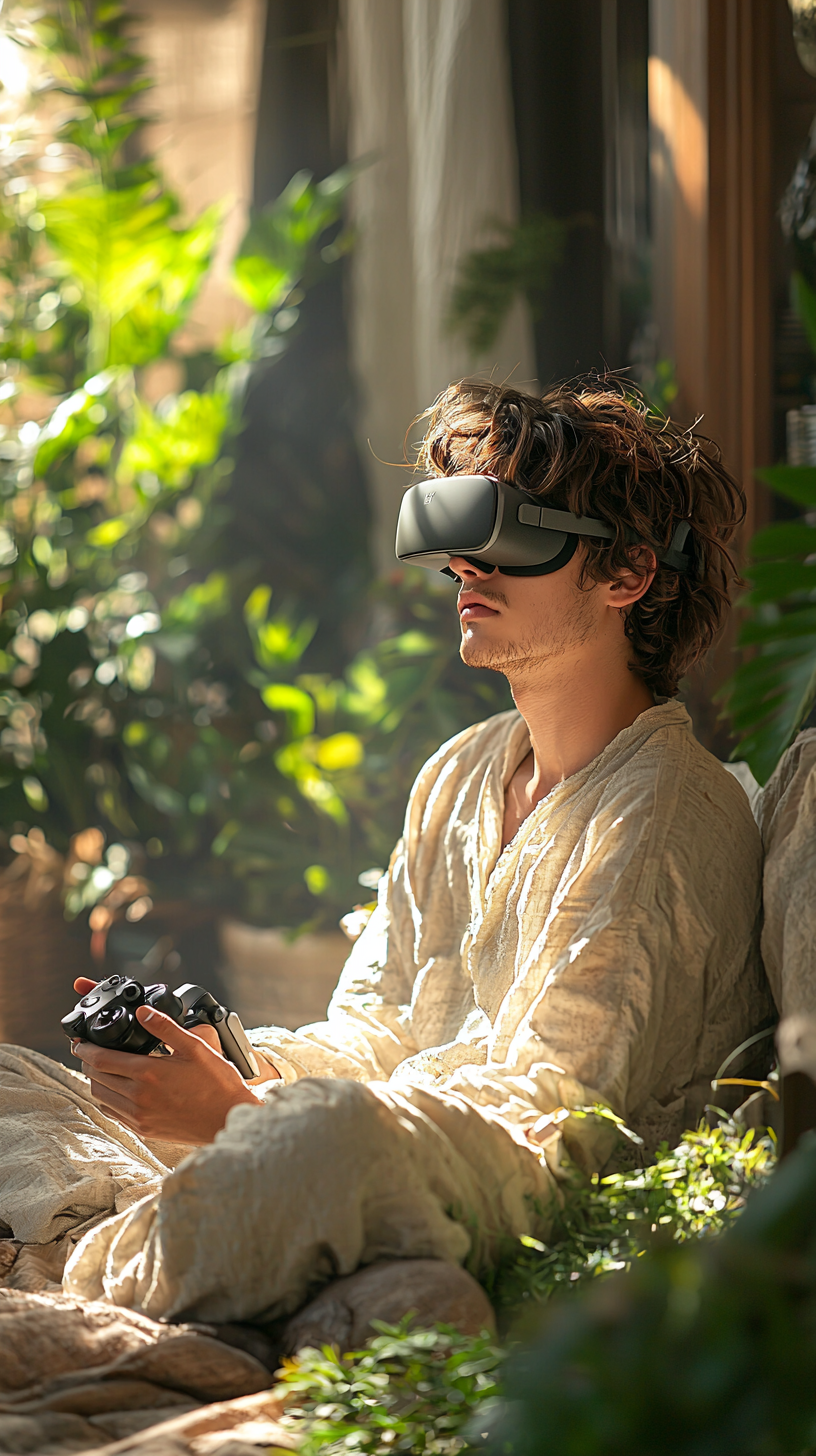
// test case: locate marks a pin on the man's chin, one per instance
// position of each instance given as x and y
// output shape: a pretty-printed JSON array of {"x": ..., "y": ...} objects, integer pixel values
[
  {"x": 515, "y": 660},
  {"x": 485, "y": 654}
]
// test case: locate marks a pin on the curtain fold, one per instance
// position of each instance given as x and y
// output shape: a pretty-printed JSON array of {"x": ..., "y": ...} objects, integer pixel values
[{"x": 429, "y": 100}]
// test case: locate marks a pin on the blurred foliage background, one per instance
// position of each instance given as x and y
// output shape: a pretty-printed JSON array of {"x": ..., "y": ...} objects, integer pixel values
[
  {"x": 235, "y": 727},
  {"x": 773, "y": 691}
]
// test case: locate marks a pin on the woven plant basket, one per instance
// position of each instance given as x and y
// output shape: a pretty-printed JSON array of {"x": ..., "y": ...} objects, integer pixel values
[
  {"x": 40, "y": 954},
  {"x": 271, "y": 980}
]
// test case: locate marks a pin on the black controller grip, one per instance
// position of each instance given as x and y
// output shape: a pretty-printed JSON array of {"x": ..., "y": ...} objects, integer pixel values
[
  {"x": 201, "y": 1008},
  {"x": 236, "y": 1045}
]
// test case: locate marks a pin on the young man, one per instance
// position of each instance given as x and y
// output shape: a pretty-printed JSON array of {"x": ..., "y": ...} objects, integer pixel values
[{"x": 569, "y": 920}]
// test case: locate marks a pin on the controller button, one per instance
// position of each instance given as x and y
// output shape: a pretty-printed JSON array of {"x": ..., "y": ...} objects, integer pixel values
[
  {"x": 219, "y": 1013},
  {"x": 89, "y": 1000}
]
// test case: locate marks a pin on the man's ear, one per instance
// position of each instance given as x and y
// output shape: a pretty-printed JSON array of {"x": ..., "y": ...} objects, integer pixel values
[{"x": 630, "y": 586}]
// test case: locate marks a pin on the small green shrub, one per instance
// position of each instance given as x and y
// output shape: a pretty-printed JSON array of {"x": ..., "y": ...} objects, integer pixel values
[
  {"x": 409, "y": 1390},
  {"x": 704, "y": 1348},
  {"x": 429, "y": 1390},
  {"x": 692, "y": 1191}
]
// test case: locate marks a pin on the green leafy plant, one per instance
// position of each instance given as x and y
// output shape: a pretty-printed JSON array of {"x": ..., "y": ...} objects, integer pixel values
[
  {"x": 125, "y": 672},
  {"x": 706, "y": 1346},
  {"x": 437, "y": 1391},
  {"x": 521, "y": 261},
  {"x": 773, "y": 691},
  {"x": 279, "y": 251},
  {"x": 325, "y": 791},
  {"x": 696, "y": 1189},
  {"x": 158, "y": 690},
  {"x": 409, "y": 1390}
]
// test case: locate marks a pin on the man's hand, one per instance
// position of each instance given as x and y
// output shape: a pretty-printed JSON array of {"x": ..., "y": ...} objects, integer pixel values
[{"x": 182, "y": 1098}]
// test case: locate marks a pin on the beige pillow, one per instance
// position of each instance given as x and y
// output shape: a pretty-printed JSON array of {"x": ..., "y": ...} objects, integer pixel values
[{"x": 786, "y": 814}]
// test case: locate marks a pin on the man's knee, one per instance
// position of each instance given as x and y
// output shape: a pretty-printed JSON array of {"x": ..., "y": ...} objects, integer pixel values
[
  {"x": 324, "y": 1126},
  {"x": 320, "y": 1178}
]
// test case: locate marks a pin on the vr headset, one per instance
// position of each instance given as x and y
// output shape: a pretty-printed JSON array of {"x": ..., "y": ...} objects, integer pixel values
[{"x": 493, "y": 525}]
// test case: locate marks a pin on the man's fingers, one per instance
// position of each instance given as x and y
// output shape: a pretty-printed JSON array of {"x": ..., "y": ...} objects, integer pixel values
[
  {"x": 104, "y": 1059},
  {"x": 83, "y": 985},
  {"x": 113, "y": 1091},
  {"x": 208, "y": 1034},
  {"x": 174, "y": 1036},
  {"x": 161, "y": 1026},
  {"x": 113, "y": 1104},
  {"x": 133, "y": 1067}
]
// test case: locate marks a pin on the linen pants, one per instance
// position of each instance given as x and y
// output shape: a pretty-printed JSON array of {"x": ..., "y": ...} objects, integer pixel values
[{"x": 327, "y": 1174}]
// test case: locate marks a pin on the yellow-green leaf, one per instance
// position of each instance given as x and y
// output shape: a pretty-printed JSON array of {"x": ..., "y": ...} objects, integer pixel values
[
  {"x": 341, "y": 750},
  {"x": 317, "y": 879},
  {"x": 107, "y": 533},
  {"x": 256, "y": 606},
  {"x": 179, "y": 442},
  {"x": 201, "y": 602},
  {"x": 297, "y": 705}
]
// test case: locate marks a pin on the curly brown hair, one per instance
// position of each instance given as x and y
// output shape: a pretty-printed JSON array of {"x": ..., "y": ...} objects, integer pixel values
[{"x": 593, "y": 446}]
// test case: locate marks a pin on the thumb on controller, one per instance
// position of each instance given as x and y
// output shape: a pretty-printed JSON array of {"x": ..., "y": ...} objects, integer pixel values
[{"x": 174, "y": 1036}]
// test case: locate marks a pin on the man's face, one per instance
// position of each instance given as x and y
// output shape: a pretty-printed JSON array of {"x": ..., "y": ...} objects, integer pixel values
[{"x": 515, "y": 624}]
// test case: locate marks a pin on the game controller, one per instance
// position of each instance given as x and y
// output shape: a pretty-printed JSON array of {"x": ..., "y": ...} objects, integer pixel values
[{"x": 107, "y": 1017}]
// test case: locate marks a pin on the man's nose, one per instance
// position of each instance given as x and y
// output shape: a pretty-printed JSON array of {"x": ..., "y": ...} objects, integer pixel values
[{"x": 470, "y": 570}]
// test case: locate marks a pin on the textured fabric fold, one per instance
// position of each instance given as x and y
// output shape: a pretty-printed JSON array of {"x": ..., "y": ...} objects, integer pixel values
[
  {"x": 326, "y": 1176},
  {"x": 613, "y": 942},
  {"x": 64, "y": 1165}
]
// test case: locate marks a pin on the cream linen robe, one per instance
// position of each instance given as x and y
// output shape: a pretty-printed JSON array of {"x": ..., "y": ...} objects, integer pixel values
[{"x": 608, "y": 954}]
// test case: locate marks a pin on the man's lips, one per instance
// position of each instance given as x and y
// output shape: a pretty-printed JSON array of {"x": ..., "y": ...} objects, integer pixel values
[{"x": 471, "y": 608}]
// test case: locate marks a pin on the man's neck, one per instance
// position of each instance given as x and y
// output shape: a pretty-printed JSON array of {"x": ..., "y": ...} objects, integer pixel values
[{"x": 572, "y": 712}]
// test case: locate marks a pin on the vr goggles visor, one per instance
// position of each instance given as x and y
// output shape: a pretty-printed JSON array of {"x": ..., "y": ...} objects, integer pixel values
[{"x": 494, "y": 526}]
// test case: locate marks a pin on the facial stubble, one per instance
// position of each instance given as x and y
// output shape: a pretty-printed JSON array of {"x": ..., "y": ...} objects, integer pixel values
[{"x": 551, "y": 633}]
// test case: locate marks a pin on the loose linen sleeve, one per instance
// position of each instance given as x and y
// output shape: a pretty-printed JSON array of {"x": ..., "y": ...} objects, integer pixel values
[
  {"x": 367, "y": 1031},
  {"x": 403, "y": 986}
]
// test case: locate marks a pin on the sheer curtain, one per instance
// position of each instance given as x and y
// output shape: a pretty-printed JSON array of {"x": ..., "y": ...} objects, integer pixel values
[
  {"x": 429, "y": 98},
  {"x": 205, "y": 61}
]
